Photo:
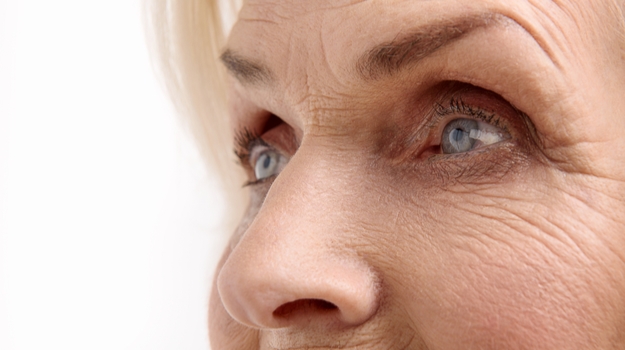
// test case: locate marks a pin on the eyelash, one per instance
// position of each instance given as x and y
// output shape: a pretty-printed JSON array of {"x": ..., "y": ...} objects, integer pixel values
[
  {"x": 245, "y": 140},
  {"x": 457, "y": 105}
]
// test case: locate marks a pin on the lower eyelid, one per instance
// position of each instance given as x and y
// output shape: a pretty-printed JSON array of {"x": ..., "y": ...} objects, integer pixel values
[{"x": 260, "y": 182}]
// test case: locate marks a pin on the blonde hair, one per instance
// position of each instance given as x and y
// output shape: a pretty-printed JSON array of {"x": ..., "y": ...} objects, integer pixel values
[{"x": 187, "y": 38}]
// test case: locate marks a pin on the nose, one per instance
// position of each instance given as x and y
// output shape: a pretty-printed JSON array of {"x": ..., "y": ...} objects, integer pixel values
[
  {"x": 290, "y": 290},
  {"x": 294, "y": 265}
]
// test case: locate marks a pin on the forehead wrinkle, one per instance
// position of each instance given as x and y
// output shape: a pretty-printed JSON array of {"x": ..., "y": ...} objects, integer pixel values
[
  {"x": 407, "y": 49},
  {"x": 330, "y": 110},
  {"x": 546, "y": 28},
  {"x": 550, "y": 32},
  {"x": 319, "y": 102},
  {"x": 588, "y": 22},
  {"x": 278, "y": 10},
  {"x": 322, "y": 101}
]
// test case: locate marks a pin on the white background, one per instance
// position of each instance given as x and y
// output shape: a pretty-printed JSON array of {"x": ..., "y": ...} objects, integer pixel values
[{"x": 109, "y": 224}]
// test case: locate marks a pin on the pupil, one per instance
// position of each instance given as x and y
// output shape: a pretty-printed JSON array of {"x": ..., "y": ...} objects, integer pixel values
[
  {"x": 266, "y": 162},
  {"x": 457, "y": 135}
]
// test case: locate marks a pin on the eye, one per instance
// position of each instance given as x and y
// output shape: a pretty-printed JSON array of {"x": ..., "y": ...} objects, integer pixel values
[
  {"x": 264, "y": 156},
  {"x": 266, "y": 165},
  {"x": 463, "y": 135}
]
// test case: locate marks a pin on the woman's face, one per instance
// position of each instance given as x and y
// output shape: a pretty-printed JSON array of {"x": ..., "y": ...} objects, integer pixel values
[{"x": 440, "y": 174}]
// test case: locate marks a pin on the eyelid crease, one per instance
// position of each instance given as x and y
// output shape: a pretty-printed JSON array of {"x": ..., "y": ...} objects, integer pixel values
[{"x": 457, "y": 105}]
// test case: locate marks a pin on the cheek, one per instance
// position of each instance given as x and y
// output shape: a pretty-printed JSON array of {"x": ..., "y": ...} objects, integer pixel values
[
  {"x": 496, "y": 298},
  {"x": 479, "y": 267},
  {"x": 491, "y": 265}
]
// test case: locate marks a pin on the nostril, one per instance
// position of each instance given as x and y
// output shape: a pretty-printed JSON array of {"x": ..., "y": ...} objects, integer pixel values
[
  {"x": 304, "y": 306},
  {"x": 289, "y": 290}
]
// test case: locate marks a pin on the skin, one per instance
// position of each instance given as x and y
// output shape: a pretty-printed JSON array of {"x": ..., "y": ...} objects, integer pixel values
[{"x": 370, "y": 238}]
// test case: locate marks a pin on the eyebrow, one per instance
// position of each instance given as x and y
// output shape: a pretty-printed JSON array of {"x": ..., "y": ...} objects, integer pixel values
[
  {"x": 244, "y": 69},
  {"x": 385, "y": 59},
  {"x": 406, "y": 49}
]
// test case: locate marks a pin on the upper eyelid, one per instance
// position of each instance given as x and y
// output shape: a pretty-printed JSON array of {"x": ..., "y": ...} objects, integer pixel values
[
  {"x": 255, "y": 144},
  {"x": 245, "y": 141},
  {"x": 457, "y": 105}
]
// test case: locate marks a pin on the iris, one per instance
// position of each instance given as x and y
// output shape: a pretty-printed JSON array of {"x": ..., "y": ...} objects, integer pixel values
[
  {"x": 457, "y": 136},
  {"x": 266, "y": 165}
]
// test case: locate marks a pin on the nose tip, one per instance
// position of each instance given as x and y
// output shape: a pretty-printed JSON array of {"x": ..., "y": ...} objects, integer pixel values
[{"x": 298, "y": 293}]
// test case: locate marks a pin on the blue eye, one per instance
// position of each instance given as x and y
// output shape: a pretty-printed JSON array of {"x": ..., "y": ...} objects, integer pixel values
[
  {"x": 266, "y": 165},
  {"x": 464, "y": 135}
]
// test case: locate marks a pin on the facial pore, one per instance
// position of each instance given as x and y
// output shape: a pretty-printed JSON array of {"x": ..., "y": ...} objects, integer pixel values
[{"x": 426, "y": 175}]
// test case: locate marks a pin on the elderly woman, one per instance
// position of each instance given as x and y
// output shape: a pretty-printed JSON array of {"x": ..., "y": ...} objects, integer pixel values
[{"x": 441, "y": 174}]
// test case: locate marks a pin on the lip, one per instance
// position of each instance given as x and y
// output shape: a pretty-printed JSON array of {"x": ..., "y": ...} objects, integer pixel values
[{"x": 362, "y": 338}]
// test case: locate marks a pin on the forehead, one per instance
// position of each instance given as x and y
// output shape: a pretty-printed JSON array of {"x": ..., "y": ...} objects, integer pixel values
[
  {"x": 299, "y": 29},
  {"x": 371, "y": 16},
  {"x": 304, "y": 48}
]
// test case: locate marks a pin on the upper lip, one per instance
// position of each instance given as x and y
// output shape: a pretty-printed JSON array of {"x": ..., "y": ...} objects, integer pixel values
[{"x": 347, "y": 340}]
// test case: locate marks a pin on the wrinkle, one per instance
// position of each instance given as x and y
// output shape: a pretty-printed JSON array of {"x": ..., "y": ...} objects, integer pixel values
[
  {"x": 532, "y": 232},
  {"x": 258, "y": 20},
  {"x": 564, "y": 233},
  {"x": 586, "y": 170},
  {"x": 533, "y": 32},
  {"x": 477, "y": 232},
  {"x": 584, "y": 203},
  {"x": 597, "y": 236},
  {"x": 561, "y": 231},
  {"x": 593, "y": 17},
  {"x": 360, "y": 339},
  {"x": 562, "y": 238},
  {"x": 263, "y": 11},
  {"x": 324, "y": 54},
  {"x": 499, "y": 222},
  {"x": 547, "y": 11}
]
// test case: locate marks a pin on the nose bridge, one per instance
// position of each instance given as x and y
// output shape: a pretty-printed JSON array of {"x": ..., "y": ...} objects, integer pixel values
[
  {"x": 293, "y": 260},
  {"x": 310, "y": 198},
  {"x": 318, "y": 180}
]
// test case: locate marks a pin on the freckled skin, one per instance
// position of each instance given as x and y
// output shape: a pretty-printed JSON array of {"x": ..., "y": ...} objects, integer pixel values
[{"x": 370, "y": 238}]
